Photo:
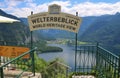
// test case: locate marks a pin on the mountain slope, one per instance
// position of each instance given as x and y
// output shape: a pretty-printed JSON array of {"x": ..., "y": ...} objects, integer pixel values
[
  {"x": 2, "y": 13},
  {"x": 104, "y": 30},
  {"x": 86, "y": 22},
  {"x": 13, "y": 32}
]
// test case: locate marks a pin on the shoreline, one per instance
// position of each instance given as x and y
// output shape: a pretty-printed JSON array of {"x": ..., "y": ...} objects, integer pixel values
[{"x": 51, "y": 49}]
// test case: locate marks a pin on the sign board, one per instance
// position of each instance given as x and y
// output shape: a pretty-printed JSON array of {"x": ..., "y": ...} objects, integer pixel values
[
  {"x": 54, "y": 9},
  {"x": 11, "y": 51},
  {"x": 54, "y": 19}
]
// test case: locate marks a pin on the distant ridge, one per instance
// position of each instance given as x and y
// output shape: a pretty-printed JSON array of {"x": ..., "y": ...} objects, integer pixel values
[
  {"x": 106, "y": 30},
  {"x": 2, "y": 13},
  {"x": 13, "y": 32}
]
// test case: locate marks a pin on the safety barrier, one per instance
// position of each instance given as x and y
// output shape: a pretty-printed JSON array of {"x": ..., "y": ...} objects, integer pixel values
[{"x": 19, "y": 64}]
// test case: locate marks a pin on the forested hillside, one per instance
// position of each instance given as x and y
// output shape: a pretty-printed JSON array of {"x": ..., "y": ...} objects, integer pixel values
[
  {"x": 13, "y": 32},
  {"x": 106, "y": 30}
]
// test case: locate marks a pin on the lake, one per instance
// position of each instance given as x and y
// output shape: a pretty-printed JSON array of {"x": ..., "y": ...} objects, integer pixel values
[{"x": 68, "y": 55}]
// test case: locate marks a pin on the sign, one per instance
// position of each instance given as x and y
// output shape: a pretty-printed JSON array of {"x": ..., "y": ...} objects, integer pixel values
[
  {"x": 54, "y": 9},
  {"x": 54, "y": 19},
  {"x": 11, "y": 51}
]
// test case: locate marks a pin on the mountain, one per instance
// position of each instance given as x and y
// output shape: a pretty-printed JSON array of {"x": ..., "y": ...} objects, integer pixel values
[
  {"x": 24, "y": 20},
  {"x": 2, "y": 13},
  {"x": 86, "y": 22},
  {"x": 13, "y": 32},
  {"x": 105, "y": 29}
]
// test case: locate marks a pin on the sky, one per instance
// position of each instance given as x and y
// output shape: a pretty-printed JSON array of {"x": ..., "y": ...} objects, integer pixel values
[{"x": 23, "y": 8}]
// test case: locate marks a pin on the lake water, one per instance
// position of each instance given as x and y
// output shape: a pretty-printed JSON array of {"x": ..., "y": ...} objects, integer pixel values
[{"x": 68, "y": 55}]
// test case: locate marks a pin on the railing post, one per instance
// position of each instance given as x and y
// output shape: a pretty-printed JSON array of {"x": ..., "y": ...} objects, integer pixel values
[
  {"x": 33, "y": 63},
  {"x": 31, "y": 34},
  {"x": 97, "y": 57},
  {"x": 32, "y": 53},
  {"x": 1, "y": 73},
  {"x": 76, "y": 49},
  {"x": 66, "y": 72},
  {"x": 119, "y": 67}
]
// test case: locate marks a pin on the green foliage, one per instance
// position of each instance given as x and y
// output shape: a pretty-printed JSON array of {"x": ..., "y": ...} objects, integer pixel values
[
  {"x": 40, "y": 64},
  {"x": 51, "y": 49},
  {"x": 40, "y": 44},
  {"x": 54, "y": 70},
  {"x": 13, "y": 32},
  {"x": 42, "y": 47}
]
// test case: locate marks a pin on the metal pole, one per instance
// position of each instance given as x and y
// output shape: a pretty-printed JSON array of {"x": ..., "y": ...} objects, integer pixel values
[
  {"x": 31, "y": 40},
  {"x": 119, "y": 68},
  {"x": 31, "y": 34},
  {"x": 1, "y": 72},
  {"x": 76, "y": 48},
  {"x": 66, "y": 72},
  {"x": 32, "y": 53},
  {"x": 97, "y": 57}
]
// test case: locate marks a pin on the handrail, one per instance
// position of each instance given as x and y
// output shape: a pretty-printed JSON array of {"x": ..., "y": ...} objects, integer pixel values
[
  {"x": 108, "y": 51},
  {"x": 20, "y": 74},
  {"x": 17, "y": 58},
  {"x": 102, "y": 63},
  {"x": 108, "y": 63}
]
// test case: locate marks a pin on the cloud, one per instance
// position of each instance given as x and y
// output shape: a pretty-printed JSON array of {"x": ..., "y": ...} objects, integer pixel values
[
  {"x": 1, "y": 4},
  {"x": 95, "y": 9},
  {"x": 12, "y": 3},
  {"x": 84, "y": 9}
]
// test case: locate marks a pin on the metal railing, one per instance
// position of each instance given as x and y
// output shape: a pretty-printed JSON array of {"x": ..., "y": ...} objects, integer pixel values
[
  {"x": 95, "y": 60},
  {"x": 20, "y": 64},
  {"x": 86, "y": 59},
  {"x": 108, "y": 64}
]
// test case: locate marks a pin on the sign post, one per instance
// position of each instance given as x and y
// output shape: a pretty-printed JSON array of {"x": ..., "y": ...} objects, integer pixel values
[
  {"x": 76, "y": 36},
  {"x": 32, "y": 54}
]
